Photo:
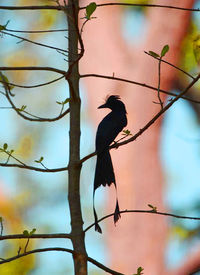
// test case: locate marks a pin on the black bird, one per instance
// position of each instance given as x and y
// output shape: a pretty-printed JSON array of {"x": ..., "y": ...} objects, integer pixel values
[{"x": 107, "y": 131}]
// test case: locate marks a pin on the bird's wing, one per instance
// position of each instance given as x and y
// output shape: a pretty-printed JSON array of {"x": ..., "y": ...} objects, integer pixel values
[{"x": 107, "y": 131}]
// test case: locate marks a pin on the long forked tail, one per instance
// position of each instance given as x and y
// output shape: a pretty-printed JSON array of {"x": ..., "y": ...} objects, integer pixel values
[{"x": 104, "y": 175}]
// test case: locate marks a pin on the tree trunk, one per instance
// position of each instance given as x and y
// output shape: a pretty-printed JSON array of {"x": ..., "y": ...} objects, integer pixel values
[{"x": 78, "y": 237}]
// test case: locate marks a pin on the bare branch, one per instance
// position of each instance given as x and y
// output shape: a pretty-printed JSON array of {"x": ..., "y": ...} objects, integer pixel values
[
  {"x": 34, "y": 68},
  {"x": 33, "y": 86},
  {"x": 137, "y": 83},
  {"x": 179, "y": 69},
  {"x": 98, "y": 264},
  {"x": 34, "y": 168},
  {"x": 144, "y": 5},
  {"x": 159, "y": 81},
  {"x": 20, "y": 113},
  {"x": 36, "y": 236},
  {"x": 33, "y": 42},
  {"x": 41, "y": 31},
  {"x": 31, "y": 8},
  {"x": 145, "y": 212}
]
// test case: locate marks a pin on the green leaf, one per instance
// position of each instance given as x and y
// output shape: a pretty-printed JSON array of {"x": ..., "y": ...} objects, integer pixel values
[
  {"x": 1, "y": 219},
  {"x": 32, "y": 231},
  {"x": 126, "y": 133},
  {"x": 90, "y": 9},
  {"x": 154, "y": 54},
  {"x": 66, "y": 101},
  {"x": 58, "y": 102},
  {"x": 154, "y": 208},
  {"x": 40, "y": 160},
  {"x": 4, "y": 78},
  {"x": 3, "y": 27},
  {"x": 139, "y": 271},
  {"x": 22, "y": 108},
  {"x": 165, "y": 49},
  {"x": 5, "y": 146},
  {"x": 26, "y": 233}
]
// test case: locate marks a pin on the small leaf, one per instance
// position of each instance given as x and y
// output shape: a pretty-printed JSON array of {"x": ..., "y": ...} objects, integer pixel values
[
  {"x": 5, "y": 146},
  {"x": 90, "y": 9},
  {"x": 58, "y": 102},
  {"x": 11, "y": 151},
  {"x": 165, "y": 49},
  {"x": 3, "y": 27},
  {"x": 4, "y": 78},
  {"x": 32, "y": 231},
  {"x": 40, "y": 160},
  {"x": 1, "y": 219},
  {"x": 66, "y": 101},
  {"x": 22, "y": 108},
  {"x": 126, "y": 133},
  {"x": 139, "y": 271},
  {"x": 154, "y": 208},
  {"x": 154, "y": 54},
  {"x": 26, "y": 233}
]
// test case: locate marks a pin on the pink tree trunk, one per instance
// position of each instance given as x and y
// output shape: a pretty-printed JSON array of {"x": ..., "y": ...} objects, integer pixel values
[{"x": 138, "y": 239}]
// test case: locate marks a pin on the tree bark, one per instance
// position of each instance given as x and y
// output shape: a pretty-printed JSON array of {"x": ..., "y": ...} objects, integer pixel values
[{"x": 78, "y": 237}]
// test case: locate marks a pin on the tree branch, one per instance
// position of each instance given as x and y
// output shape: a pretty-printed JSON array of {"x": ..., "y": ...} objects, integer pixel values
[
  {"x": 32, "y": 31},
  {"x": 144, "y": 5},
  {"x": 34, "y": 68},
  {"x": 137, "y": 83},
  {"x": 33, "y": 86},
  {"x": 172, "y": 65},
  {"x": 144, "y": 212},
  {"x": 36, "y": 236},
  {"x": 31, "y": 8},
  {"x": 98, "y": 264},
  {"x": 33, "y": 42},
  {"x": 34, "y": 168}
]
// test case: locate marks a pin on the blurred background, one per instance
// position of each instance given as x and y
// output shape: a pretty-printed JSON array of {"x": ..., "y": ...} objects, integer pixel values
[{"x": 160, "y": 168}]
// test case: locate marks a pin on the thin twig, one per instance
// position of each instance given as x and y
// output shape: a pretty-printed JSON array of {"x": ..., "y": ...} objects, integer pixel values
[
  {"x": 33, "y": 86},
  {"x": 28, "y": 167},
  {"x": 33, "y": 42},
  {"x": 33, "y": 68},
  {"x": 20, "y": 113},
  {"x": 144, "y": 212},
  {"x": 172, "y": 65},
  {"x": 32, "y": 31},
  {"x": 98, "y": 264},
  {"x": 27, "y": 242},
  {"x": 159, "y": 81},
  {"x": 144, "y": 5},
  {"x": 36, "y": 236},
  {"x": 31, "y": 8},
  {"x": 136, "y": 83}
]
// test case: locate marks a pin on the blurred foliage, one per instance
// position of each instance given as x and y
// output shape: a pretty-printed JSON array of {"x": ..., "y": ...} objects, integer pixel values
[
  {"x": 13, "y": 222},
  {"x": 188, "y": 61},
  {"x": 24, "y": 58}
]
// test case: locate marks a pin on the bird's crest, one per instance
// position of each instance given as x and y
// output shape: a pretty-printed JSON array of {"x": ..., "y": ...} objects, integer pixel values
[{"x": 112, "y": 97}]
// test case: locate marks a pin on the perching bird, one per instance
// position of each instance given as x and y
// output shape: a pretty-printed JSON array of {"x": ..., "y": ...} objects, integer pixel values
[{"x": 107, "y": 131}]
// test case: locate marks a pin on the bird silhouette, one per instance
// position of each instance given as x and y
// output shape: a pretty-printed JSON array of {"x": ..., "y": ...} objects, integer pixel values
[{"x": 108, "y": 129}]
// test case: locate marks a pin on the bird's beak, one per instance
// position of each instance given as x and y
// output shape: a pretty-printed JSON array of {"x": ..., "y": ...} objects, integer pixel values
[{"x": 103, "y": 106}]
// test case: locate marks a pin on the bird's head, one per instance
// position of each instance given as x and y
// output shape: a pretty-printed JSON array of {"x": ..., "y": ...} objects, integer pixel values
[{"x": 114, "y": 103}]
